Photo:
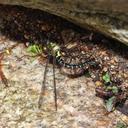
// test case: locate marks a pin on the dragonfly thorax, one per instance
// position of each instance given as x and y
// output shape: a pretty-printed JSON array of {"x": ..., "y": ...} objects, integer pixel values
[{"x": 53, "y": 49}]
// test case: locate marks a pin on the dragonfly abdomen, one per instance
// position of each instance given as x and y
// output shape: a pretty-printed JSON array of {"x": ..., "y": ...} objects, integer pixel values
[{"x": 72, "y": 65}]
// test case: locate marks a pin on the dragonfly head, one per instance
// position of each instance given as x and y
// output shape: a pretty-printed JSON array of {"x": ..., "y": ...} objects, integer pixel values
[{"x": 53, "y": 49}]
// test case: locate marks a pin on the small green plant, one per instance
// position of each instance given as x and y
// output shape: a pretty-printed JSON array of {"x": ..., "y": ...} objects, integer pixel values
[
  {"x": 113, "y": 88},
  {"x": 121, "y": 125},
  {"x": 106, "y": 77},
  {"x": 109, "y": 87},
  {"x": 34, "y": 49},
  {"x": 110, "y": 103}
]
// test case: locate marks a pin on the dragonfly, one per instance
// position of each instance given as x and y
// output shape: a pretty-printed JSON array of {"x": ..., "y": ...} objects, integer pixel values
[{"x": 73, "y": 58}]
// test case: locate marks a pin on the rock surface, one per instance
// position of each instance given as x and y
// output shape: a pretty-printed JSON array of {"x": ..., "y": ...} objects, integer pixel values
[
  {"x": 78, "y": 107},
  {"x": 107, "y": 17}
]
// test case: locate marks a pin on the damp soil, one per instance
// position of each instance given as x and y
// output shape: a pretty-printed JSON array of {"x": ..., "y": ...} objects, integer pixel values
[{"x": 22, "y": 75}]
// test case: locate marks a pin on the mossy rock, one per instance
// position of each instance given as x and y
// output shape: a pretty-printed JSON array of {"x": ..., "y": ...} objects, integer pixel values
[{"x": 108, "y": 17}]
